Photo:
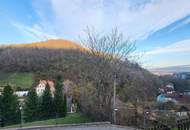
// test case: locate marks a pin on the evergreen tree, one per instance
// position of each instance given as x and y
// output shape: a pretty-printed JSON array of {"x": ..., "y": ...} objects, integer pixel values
[
  {"x": 65, "y": 106},
  {"x": 31, "y": 108},
  {"x": 47, "y": 104},
  {"x": 0, "y": 106},
  {"x": 58, "y": 98},
  {"x": 10, "y": 106}
]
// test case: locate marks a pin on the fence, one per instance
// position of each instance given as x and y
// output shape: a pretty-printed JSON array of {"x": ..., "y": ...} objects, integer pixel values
[{"x": 181, "y": 124}]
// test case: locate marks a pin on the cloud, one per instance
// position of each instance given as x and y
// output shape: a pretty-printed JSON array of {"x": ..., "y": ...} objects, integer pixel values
[
  {"x": 181, "y": 46},
  {"x": 34, "y": 31},
  {"x": 181, "y": 24},
  {"x": 135, "y": 19}
]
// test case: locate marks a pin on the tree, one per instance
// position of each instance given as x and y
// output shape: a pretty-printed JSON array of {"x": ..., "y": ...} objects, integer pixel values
[
  {"x": 47, "y": 104},
  {"x": 10, "y": 106},
  {"x": 109, "y": 55},
  {"x": 58, "y": 98},
  {"x": 31, "y": 108},
  {"x": 65, "y": 105},
  {"x": 0, "y": 106}
]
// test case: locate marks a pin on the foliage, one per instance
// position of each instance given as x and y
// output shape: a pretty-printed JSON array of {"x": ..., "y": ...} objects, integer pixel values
[
  {"x": 65, "y": 105},
  {"x": 10, "y": 106},
  {"x": 168, "y": 118},
  {"x": 108, "y": 58},
  {"x": 167, "y": 106},
  {"x": 59, "y": 100},
  {"x": 31, "y": 109},
  {"x": 69, "y": 119},
  {"x": 46, "y": 107}
]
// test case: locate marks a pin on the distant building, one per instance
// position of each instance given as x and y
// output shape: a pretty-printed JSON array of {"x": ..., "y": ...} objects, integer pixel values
[
  {"x": 67, "y": 90},
  {"x": 42, "y": 85},
  {"x": 1, "y": 90},
  {"x": 182, "y": 111},
  {"x": 162, "y": 98},
  {"x": 182, "y": 75},
  {"x": 167, "y": 89},
  {"x": 186, "y": 92},
  {"x": 176, "y": 97},
  {"x": 21, "y": 93},
  {"x": 168, "y": 93}
]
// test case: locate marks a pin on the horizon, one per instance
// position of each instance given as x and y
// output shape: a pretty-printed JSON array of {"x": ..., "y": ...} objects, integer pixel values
[{"x": 160, "y": 28}]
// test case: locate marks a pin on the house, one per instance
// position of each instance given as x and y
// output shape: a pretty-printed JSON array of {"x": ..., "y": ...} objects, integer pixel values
[
  {"x": 167, "y": 89},
  {"x": 42, "y": 85},
  {"x": 21, "y": 93},
  {"x": 175, "y": 97},
  {"x": 67, "y": 90},
  {"x": 162, "y": 98},
  {"x": 1, "y": 90},
  {"x": 182, "y": 111}
]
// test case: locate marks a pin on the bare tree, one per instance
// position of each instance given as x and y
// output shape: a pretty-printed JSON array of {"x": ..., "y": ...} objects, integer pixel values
[
  {"x": 111, "y": 46},
  {"x": 111, "y": 53}
]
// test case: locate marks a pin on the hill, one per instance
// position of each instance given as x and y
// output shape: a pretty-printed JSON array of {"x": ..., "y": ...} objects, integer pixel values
[
  {"x": 57, "y": 44},
  {"x": 17, "y": 80},
  {"x": 92, "y": 75}
]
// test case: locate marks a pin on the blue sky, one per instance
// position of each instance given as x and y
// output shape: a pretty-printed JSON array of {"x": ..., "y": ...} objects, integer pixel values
[{"x": 161, "y": 28}]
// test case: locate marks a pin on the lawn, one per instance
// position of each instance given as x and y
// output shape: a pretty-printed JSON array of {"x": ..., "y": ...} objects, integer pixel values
[
  {"x": 69, "y": 119},
  {"x": 17, "y": 80}
]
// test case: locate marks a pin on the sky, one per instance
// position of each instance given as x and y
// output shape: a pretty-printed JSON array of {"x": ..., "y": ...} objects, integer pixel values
[{"x": 160, "y": 28}]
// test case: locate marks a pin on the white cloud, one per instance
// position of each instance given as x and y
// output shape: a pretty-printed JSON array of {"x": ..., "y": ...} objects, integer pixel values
[
  {"x": 181, "y": 46},
  {"x": 135, "y": 20},
  {"x": 35, "y": 31},
  {"x": 181, "y": 24}
]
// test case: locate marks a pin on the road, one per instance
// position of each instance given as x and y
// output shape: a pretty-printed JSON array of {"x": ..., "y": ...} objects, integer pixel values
[
  {"x": 101, "y": 126},
  {"x": 92, "y": 128}
]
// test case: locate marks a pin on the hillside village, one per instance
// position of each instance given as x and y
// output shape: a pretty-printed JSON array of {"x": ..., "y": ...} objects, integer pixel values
[
  {"x": 94, "y": 64},
  {"x": 40, "y": 88},
  {"x": 87, "y": 86}
]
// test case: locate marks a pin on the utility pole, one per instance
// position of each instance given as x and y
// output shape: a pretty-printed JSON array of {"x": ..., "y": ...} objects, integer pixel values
[
  {"x": 145, "y": 119},
  {"x": 114, "y": 100},
  {"x": 144, "y": 123}
]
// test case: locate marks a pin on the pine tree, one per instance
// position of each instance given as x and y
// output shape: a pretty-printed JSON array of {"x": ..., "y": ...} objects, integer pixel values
[
  {"x": 58, "y": 98},
  {"x": 31, "y": 108},
  {"x": 10, "y": 106},
  {"x": 47, "y": 104},
  {"x": 65, "y": 106},
  {"x": 0, "y": 106}
]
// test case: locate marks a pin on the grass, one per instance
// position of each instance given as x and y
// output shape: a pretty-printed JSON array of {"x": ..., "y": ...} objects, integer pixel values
[
  {"x": 69, "y": 119},
  {"x": 17, "y": 80}
]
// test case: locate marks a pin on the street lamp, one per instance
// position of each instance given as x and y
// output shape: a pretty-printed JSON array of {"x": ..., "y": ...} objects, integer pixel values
[
  {"x": 145, "y": 118},
  {"x": 21, "y": 116}
]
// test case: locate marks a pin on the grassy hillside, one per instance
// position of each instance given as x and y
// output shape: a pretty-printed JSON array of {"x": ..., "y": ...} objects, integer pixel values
[
  {"x": 16, "y": 80},
  {"x": 69, "y": 119},
  {"x": 60, "y": 43}
]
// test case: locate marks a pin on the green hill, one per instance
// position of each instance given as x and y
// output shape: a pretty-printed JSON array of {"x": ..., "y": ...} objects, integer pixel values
[{"x": 16, "y": 80}]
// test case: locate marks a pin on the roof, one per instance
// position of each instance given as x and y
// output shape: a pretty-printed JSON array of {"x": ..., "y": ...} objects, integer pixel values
[{"x": 183, "y": 109}]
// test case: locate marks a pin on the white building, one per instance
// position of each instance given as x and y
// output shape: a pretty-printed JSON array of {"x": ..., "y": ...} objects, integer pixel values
[
  {"x": 21, "y": 93},
  {"x": 42, "y": 85}
]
